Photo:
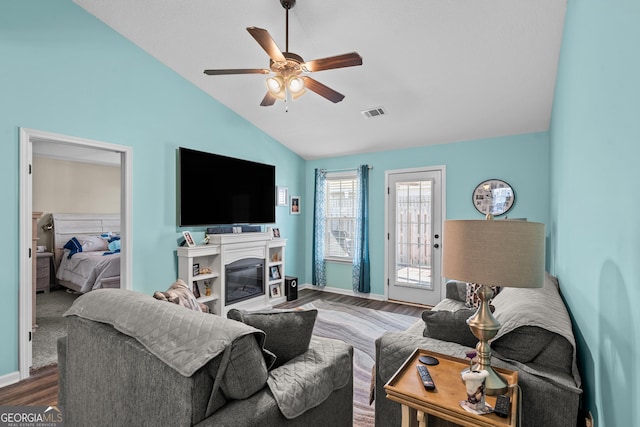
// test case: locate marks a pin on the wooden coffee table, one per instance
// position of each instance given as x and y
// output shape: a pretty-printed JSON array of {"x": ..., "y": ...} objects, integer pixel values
[{"x": 406, "y": 388}]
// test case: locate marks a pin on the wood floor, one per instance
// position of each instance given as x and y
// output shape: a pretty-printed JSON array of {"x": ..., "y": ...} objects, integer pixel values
[{"x": 41, "y": 388}]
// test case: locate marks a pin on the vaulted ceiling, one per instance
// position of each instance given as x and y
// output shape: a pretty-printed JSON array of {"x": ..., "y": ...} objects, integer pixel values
[{"x": 442, "y": 70}]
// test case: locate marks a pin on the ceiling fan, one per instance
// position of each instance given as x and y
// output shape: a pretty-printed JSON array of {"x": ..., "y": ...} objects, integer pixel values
[{"x": 289, "y": 68}]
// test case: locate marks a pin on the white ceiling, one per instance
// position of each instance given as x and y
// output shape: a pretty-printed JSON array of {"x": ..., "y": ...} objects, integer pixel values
[{"x": 444, "y": 70}]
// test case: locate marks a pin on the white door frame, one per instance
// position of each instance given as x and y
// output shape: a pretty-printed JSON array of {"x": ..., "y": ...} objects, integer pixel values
[
  {"x": 436, "y": 168},
  {"x": 27, "y": 137}
]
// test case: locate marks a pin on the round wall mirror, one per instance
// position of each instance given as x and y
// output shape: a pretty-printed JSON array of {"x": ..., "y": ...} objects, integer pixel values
[{"x": 494, "y": 197}]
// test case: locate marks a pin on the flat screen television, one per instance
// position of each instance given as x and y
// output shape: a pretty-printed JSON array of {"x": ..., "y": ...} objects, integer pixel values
[{"x": 220, "y": 190}]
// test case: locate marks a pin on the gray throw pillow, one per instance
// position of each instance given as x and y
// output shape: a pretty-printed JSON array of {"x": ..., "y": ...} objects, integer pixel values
[
  {"x": 523, "y": 344},
  {"x": 246, "y": 371},
  {"x": 288, "y": 332},
  {"x": 449, "y": 326}
]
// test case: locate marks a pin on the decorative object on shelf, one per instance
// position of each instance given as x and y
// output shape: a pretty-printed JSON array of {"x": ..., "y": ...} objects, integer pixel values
[
  {"x": 282, "y": 196},
  {"x": 295, "y": 205},
  {"x": 492, "y": 253},
  {"x": 274, "y": 291},
  {"x": 189, "y": 238},
  {"x": 205, "y": 270},
  {"x": 196, "y": 290},
  {"x": 494, "y": 197},
  {"x": 275, "y": 232},
  {"x": 207, "y": 288},
  {"x": 274, "y": 272},
  {"x": 196, "y": 269}
]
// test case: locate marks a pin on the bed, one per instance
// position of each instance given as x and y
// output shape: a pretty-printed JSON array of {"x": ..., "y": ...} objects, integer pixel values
[{"x": 90, "y": 260}]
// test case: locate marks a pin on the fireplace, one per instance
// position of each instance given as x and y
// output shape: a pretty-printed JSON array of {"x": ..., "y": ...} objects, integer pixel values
[{"x": 244, "y": 279}]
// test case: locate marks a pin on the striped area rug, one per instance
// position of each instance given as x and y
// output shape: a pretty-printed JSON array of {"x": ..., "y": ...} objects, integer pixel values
[{"x": 360, "y": 327}]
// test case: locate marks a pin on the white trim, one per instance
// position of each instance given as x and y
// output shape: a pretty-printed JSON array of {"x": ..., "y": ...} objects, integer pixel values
[
  {"x": 342, "y": 291},
  {"x": 443, "y": 171},
  {"x": 27, "y": 137},
  {"x": 9, "y": 379}
]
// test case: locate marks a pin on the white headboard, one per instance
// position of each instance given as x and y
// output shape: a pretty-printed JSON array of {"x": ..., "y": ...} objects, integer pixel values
[{"x": 68, "y": 225}]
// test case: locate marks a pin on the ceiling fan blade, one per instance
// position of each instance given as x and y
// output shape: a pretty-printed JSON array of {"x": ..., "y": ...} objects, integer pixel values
[
  {"x": 237, "y": 71},
  {"x": 322, "y": 90},
  {"x": 339, "y": 61},
  {"x": 265, "y": 40},
  {"x": 268, "y": 100}
]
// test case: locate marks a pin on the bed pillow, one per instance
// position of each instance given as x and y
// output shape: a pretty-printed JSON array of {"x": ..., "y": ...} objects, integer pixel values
[
  {"x": 93, "y": 244},
  {"x": 74, "y": 246},
  {"x": 449, "y": 326},
  {"x": 288, "y": 332}
]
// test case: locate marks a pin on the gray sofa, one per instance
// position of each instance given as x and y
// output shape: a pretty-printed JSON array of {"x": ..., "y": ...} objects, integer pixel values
[
  {"x": 535, "y": 339},
  {"x": 131, "y": 360}
]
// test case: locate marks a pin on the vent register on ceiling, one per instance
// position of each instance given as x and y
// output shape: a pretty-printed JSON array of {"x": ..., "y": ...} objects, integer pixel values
[{"x": 290, "y": 80}]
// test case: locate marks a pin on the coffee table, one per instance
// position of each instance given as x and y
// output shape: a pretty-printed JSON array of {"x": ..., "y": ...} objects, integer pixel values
[{"x": 406, "y": 388}]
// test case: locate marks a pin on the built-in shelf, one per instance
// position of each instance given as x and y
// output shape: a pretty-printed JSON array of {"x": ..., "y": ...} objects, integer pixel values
[{"x": 223, "y": 250}]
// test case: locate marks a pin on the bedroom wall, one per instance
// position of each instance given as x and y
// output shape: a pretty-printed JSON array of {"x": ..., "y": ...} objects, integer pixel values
[
  {"x": 521, "y": 160},
  {"x": 62, "y": 186},
  {"x": 595, "y": 148},
  {"x": 64, "y": 71}
]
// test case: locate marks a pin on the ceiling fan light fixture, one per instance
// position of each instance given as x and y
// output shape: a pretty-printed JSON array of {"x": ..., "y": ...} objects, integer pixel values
[
  {"x": 276, "y": 86},
  {"x": 296, "y": 84}
]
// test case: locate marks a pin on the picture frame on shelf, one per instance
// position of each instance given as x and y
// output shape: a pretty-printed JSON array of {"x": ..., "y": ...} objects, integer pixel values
[
  {"x": 274, "y": 272},
  {"x": 196, "y": 290},
  {"x": 196, "y": 269},
  {"x": 275, "y": 232},
  {"x": 189, "y": 239},
  {"x": 274, "y": 291},
  {"x": 282, "y": 195},
  {"x": 295, "y": 205}
]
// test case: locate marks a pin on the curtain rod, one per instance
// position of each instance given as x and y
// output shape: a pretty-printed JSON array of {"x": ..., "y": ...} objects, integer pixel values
[{"x": 344, "y": 170}]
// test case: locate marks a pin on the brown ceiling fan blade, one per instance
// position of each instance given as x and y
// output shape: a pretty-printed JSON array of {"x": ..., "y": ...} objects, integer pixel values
[
  {"x": 339, "y": 61},
  {"x": 265, "y": 40},
  {"x": 237, "y": 71},
  {"x": 268, "y": 100},
  {"x": 322, "y": 90}
]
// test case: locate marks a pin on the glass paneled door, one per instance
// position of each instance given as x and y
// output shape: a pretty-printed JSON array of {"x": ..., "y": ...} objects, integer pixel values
[{"x": 414, "y": 225}]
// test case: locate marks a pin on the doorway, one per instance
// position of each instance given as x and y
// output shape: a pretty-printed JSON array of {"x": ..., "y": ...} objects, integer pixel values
[
  {"x": 26, "y": 299},
  {"x": 414, "y": 214}
]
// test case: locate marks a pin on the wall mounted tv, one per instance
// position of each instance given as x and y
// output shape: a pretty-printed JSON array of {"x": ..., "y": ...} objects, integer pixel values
[{"x": 220, "y": 190}]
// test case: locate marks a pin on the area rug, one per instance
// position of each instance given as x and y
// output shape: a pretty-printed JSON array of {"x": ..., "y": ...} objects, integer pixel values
[
  {"x": 359, "y": 327},
  {"x": 51, "y": 325}
]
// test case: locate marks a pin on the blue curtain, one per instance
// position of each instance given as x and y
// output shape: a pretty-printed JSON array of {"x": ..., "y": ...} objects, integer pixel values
[
  {"x": 361, "y": 275},
  {"x": 318, "y": 275}
]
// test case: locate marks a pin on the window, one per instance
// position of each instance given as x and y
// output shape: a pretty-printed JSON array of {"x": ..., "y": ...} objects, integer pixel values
[{"x": 340, "y": 216}]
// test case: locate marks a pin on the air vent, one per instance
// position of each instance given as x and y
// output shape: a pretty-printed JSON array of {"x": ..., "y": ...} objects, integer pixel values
[{"x": 374, "y": 112}]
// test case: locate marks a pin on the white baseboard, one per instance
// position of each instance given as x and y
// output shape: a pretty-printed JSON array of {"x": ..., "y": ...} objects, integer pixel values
[
  {"x": 342, "y": 291},
  {"x": 9, "y": 379}
]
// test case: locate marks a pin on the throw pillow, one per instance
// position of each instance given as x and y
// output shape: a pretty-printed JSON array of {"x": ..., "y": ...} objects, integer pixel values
[
  {"x": 523, "y": 344},
  {"x": 246, "y": 372},
  {"x": 288, "y": 332},
  {"x": 472, "y": 299},
  {"x": 449, "y": 326}
]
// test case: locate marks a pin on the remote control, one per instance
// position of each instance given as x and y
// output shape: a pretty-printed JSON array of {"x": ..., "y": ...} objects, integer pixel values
[
  {"x": 425, "y": 376},
  {"x": 502, "y": 406}
]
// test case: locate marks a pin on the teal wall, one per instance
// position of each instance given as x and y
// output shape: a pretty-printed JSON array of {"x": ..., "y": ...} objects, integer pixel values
[
  {"x": 63, "y": 71},
  {"x": 595, "y": 147},
  {"x": 521, "y": 160}
]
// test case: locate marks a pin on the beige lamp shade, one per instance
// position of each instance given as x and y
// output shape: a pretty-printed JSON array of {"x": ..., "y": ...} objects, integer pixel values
[{"x": 495, "y": 253}]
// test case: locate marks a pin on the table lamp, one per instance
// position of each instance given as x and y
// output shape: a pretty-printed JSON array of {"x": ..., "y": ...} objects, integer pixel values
[{"x": 492, "y": 253}]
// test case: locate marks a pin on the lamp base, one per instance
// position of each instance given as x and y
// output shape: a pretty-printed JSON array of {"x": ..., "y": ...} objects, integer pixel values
[
  {"x": 494, "y": 384},
  {"x": 484, "y": 327}
]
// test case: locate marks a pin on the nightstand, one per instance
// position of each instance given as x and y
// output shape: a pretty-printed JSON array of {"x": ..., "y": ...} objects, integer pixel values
[
  {"x": 43, "y": 271},
  {"x": 406, "y": 388}
]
